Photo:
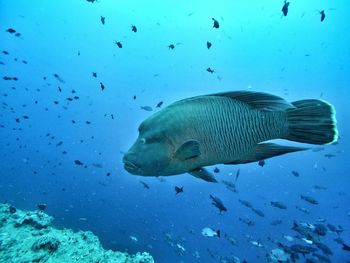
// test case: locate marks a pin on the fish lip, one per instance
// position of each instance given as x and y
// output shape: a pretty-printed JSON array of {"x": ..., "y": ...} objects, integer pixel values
[{"x": 129, "y": 166}]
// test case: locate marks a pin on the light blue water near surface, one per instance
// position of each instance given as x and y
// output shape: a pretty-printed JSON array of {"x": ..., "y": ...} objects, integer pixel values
[{"x": 255, "y": 48}]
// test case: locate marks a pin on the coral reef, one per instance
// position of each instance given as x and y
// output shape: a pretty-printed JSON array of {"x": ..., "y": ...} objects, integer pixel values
[{"x": 30, "y": 237}]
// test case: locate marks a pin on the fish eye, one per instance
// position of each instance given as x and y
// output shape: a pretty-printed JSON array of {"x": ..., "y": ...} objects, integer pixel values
[{"x": 143, "y": 140}]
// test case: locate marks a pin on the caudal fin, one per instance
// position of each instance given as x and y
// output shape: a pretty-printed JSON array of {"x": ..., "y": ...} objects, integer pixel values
[{"x": 312, "y": 121}]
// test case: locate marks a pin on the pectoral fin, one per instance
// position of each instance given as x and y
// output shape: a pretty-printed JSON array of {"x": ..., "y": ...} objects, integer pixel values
[
  {"x": 203, "y": 174},
  {"x": 187, "y": 150},
  {"x": 266, "y": 150}
]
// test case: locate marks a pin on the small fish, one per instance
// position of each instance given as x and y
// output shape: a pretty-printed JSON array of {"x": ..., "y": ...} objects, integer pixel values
[
  {"x": 119, "y": 44},
  {"x": 171, "y": 46},
  {"x": 247, "y": 221},
  {"x": 309, "y": 199},
  {"x": 208, "y": 45},
  {"x": 237, "y": 174},
  {"x": 304, "y": 210},
  {"x": 288, "y": 238},
  {"x": 94, "y": 74},
  {"x": 216, "y": 170},
  {"x": 346, "y": 247},
  {"x": 103, "y": 19},
  {"x": 256, "y": 243},
  {"x": 295, "y": 173},
  {"x": 144, "y": 185},
  {"x": 41, "y": 207},
  {"x": 208, "y": 232},
  {"x": 245, "y": 203},
  {"x": 216, "y": 23},
  {"x": 320, "y": 187},
  {"x": 133, "y": 28},
  {"x": 179, "y": 189},
  {"x": 102, "y": 86},
  {"x": 218, "y": 203},
  {"x": 261, "y": 163},
  {"x": 146, "y": 108},
  {"x": 279, "y": 205},
  {"x": 323, "y": 15},
  {"x": 285, "y": 8},
  {"x": 77, "y": 162},
  {"x": 210, "y": 70},
  {"x": 11, "y": 30},
  {"x": 134, "y": 97},
  {"x": 58, "y": 78},
  {"x": 159, "y": 104},
  {"x": 258, "y": 212},
  {"x": 133, "y": 238}
]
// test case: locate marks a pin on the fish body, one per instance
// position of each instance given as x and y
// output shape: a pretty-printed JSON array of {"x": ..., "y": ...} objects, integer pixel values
[
  {"x": 208, "y": 232},
  {"x": 225, "y": 128}
]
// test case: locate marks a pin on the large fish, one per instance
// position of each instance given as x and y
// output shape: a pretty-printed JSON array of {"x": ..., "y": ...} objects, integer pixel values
[{"x": 226, "y": 128}]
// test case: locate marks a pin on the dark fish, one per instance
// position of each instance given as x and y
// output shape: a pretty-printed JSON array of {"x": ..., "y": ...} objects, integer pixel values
[
  {"x": 41, "y": 207},
  {"x": 295, "y": 173},
  {"x": 335, "y": 229},
  {"x": 324, "y": 248},
  {"x": 94, "y": 74},
  {"x": 258, "y": 212},
  {"x": 146, "y": 108},
  {"x": 134, "y": 97},
  {"x": 159, "y": 104},
  {"x": 323, "y": 15},
  {"x": 237, "y": 174},
  {"x": 133, "y": 28},
  {"x": 216, "y": 23},
  {"x": 103, "y": 19},
  {"x": 218, "y": 203},
  {"x": 77, "y": 162},
  {"x": 209, "y": 44},
  {"x": 279, "y": 205},
  {"x": 230, "y": 185},
  {"x": 245, "y": 203},
  {"x": 320, "y": 187},
  {"x": 91, "y": 1},
  {"x": 247, "y": 221},
  {"x": 346, "y": 247},
  {"x": 179, "y": 189},
  {"x": 58, "y": 78},
  {"x": 196, "y": 132},
  {"x": 210, "y": 70},
  {"x": 216, "y": 170},
  {"x": 119, "y": 44},
  {"x": 309, "y": 199},
  {"x": 285, "y": 8},
  {"x": 5, "y": 52},
  {"x": 11, "y": 30},
  {"x": 102, "y": 86},
  {"x": 261, "y": 163},
  {"x": 144, "y": 184},
  {"x": 171, "y": 46}
]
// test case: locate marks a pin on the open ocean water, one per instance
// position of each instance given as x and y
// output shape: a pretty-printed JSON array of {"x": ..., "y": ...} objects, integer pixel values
[{"x": 78, "y": 77}]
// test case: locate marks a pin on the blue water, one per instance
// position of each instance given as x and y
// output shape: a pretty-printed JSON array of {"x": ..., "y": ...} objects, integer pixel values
[{"x": 255, "y": 48}]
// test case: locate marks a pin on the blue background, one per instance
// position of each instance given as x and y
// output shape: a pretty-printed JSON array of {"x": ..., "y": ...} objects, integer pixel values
[{"x": 255, "y": 48}]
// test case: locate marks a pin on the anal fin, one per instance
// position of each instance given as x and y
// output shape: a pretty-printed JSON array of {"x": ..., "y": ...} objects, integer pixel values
[
  {"x": 266, "y": 150},
  {"x": 203, "y": 174}
]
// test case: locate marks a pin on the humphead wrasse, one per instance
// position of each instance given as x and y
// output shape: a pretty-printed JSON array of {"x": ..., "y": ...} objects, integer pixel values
[{"x": 226, "y": 128}]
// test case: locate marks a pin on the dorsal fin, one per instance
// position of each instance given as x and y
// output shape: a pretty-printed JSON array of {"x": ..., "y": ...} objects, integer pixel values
[{"x": 258, "y": 100}]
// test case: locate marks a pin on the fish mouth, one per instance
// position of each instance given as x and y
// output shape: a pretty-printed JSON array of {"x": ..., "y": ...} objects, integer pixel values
[{"x": 130, "y": 167}]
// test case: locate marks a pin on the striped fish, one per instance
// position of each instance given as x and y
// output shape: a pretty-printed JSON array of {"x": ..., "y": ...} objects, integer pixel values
[{"x": 226, "y": 128}]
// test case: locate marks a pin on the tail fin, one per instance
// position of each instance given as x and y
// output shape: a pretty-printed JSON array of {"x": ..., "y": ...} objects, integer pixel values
[{"x": 312, "y": 121}]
